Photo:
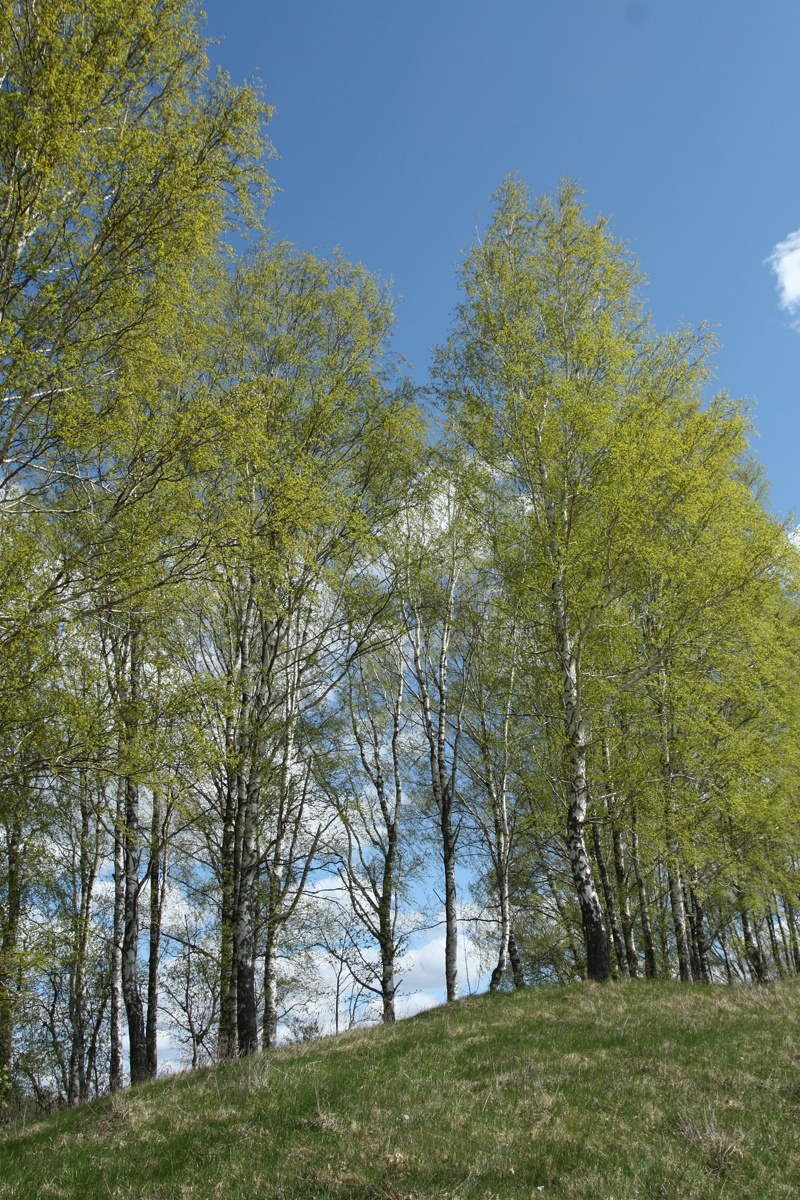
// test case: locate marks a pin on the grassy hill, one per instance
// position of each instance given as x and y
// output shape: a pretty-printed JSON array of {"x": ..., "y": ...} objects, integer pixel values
[{"x": 619, "y": 1091}]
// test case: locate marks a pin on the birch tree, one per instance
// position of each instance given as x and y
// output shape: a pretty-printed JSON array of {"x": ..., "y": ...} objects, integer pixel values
[
  {"x": 490, "y": 761},
  {"x": 370, "y": 797},
  {"x": 311, "y": 453},
  {"x": 432, "y": 561},
  {"x": 584, "y": 419},
  {"x": 121, "y": 162}
]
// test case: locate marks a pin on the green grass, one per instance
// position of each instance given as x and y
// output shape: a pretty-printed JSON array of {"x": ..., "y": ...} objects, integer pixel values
[{"x": 609, "y": 1092}]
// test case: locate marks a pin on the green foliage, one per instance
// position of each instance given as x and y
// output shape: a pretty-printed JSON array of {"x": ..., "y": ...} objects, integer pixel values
[
  {"x": 227, "y": 549},
  {"x": 630, "y": 546},
  {"x": 121, "y": 163}
]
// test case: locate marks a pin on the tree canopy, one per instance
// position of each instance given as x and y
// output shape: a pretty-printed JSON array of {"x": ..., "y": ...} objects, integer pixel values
[{"x": 300, "y": 660}]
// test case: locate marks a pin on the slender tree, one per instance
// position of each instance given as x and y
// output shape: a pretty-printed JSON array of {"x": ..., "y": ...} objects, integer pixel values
[{"x": 590, "y": 426}]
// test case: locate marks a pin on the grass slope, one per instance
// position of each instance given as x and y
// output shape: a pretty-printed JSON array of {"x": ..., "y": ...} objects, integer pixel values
[{"x": 618, "y": 1091}]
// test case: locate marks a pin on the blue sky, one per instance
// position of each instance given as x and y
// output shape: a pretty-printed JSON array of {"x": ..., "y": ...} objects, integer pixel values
[{"x": 395, "y": 122}]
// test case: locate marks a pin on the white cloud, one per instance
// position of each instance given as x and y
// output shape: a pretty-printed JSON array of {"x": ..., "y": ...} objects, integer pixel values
[
  {"x": 423, "y": 972},
  {"x": 785, "y": 262},
  {"x": 407, "y": 1006}
]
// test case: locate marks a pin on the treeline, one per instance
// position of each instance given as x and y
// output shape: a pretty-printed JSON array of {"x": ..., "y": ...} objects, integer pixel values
[{"x": 279, "y": 630}]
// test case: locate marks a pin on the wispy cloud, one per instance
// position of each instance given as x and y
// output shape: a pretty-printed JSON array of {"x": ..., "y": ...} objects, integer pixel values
[{"x": 785, "y": 262}]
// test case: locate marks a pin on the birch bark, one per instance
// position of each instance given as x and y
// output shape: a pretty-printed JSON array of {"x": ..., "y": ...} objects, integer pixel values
[{"x": 443, "y": 773}]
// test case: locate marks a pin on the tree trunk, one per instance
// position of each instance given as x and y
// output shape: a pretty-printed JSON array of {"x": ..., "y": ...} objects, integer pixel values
[
  {"x": 703, "y": 949},
  {"x": 755, "y": 958},
  {"x": 674, "y": 880},
  {"x": 595, "y": 938},
  {"x": 451, "y": 919},
  {"x": 580, "y": 965},
  {"x": 501, "y": 854},
  {"x": 773, "y": 941},
  {"x": 244, "y": 927},
  {"x": 386, "y": 924},
  {"x": 237, "y": 969},
  {"x": 793, "y": 942},
  {"x": 288, "y": 823},
  {"x": 762, "y": 956},
  {"x": 608, "y": 895},
  {"x": 89, "y": 861},
  {"x": 678, "y": 917},
  {"x": 728, "y": 967},
  {"x": 442, "y": 783},
  {"x": 694, "y": 950},
  {"x": 116, "y": 1068},
  {"x": 227, "y": 1044},
  {"x": 269, "y": 1033},
  {"x": 158, "y": 867},
  {"x": 92, "y": 1076},
  {"x": 131, "y": 994},
  {"x": 517, "y": 973},
  {"x": 388, "y": 985},
  {"x": 787, "y": 956},
  {"x": 274, "y": 905},
  {"x": 631, "y": 955},
  {"x": 664, "y": 919},
  {"x": 505, "y": 936},
  {"x": 242, "y": 995},
  {"x": 650, "y": 969},
  {"x": 10, "y": 916}
]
